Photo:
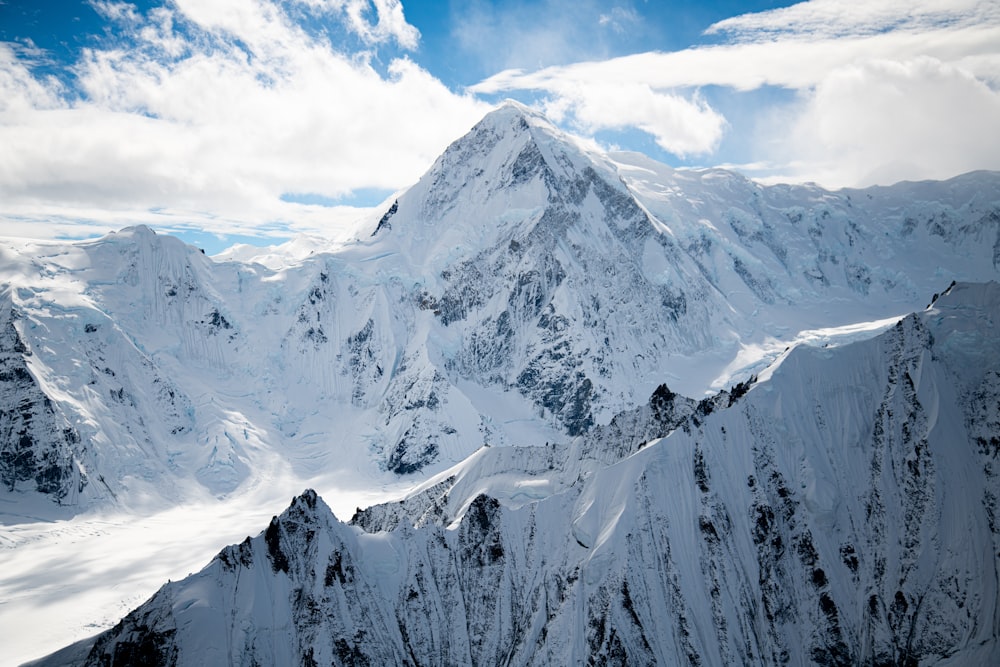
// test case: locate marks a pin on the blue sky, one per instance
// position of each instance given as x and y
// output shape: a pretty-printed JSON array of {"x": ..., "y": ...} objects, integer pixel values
[
  {"x": 570, "y": 31},
  {"x": 257, "y": 119}
]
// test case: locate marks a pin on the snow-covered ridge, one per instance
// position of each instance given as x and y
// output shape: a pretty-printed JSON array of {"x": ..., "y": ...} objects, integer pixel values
[{"x": 842, "y": 511}]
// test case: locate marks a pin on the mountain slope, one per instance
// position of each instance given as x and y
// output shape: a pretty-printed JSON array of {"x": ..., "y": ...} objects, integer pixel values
[
  {"x": 841, "y": 510},
  {"x": 36, "y": 443},
  {"x": 525, "y": 290}
]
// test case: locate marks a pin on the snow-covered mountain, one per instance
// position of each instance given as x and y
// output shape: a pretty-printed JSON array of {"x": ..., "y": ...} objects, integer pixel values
[
  {"x": 524, "y": 291},
  {"x": 508, "y": 333},
  {"x": 840, "y": 510}
]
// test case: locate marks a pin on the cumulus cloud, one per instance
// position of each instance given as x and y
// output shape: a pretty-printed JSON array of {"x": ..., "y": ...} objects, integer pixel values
[
  {"x": 883, "y": 121},
  {"x": 680, "y": 125},
  {"x": 847, "y": 62},
  {"x": 215, "y": 109}
]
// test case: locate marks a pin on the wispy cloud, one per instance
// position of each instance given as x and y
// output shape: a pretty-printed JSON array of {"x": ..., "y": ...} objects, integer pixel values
[
  {"x": 121, "y": 12},
  {"x": 529, "y": 34},
  {"x": 214, "y": 109},
  {"x": 842, "y": 18},
  {"x": 841, "y": 57},
  {"x": 620, "y": 19}
]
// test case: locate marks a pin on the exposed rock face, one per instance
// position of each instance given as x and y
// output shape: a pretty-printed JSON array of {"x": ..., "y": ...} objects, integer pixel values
[
  {"x": 544, "y": 290},
  {"x": 841, "y": 510},
  {"x": 38, "y": 447}
]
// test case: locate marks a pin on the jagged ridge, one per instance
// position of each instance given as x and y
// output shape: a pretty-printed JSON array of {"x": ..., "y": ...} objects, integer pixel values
[{"x": 839, "y": 511}]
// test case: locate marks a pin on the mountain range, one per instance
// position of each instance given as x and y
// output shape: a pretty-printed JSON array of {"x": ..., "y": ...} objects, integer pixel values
[{"x": 680, "y": 416}]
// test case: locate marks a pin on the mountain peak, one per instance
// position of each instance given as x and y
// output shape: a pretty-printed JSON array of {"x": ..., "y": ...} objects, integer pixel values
[
  {"x": 513, "y": 109},
  {"x": 514, "y": 165},
  {"x": 511, "y": 103},
  {"x": 511, "y": 119},
  {"x": 142, "y": 238},
  {"x": 132, "y": 233}
]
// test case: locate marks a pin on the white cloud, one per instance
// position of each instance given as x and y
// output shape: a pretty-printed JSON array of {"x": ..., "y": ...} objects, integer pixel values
[
  {"x": 840, "y": 18},
  {"x": 884, "y": 121},
  {"x": 20, "y": 92},
  {"x": 791, "y": 62},
  {"x": 814, "y": 48},
  {"x": 390, "y": 23},
  {"x": 680, "y": 125},
  {"x": 213, "y": 110},
  {"x": 115, "y": 11}
]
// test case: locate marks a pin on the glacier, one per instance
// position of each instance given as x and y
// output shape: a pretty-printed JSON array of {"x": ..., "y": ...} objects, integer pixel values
[{"x": 529, "y": 294}]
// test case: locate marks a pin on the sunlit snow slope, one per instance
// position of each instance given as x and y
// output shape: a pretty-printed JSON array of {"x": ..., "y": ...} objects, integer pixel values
[{"x": 841, "y": 510}]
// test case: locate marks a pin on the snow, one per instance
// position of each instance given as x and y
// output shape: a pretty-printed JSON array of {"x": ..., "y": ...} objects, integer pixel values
[
  {"x": 64, "y": 580},
  {"x": 760, "y": 532},
  {"x": 757, "y": 359},
  {"x": 526, "y": 289}
]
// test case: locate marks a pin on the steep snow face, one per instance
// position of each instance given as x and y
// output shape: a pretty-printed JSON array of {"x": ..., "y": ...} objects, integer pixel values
[
  {"x": 104, "y": 331},
  {"x": 842, "y": 510},
  {"x": 838, "y": 256},
  {"x": 534, "y": 262},
  {"x": 558, "y": 273},
  {"x": 37, "y": 444}
]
